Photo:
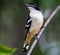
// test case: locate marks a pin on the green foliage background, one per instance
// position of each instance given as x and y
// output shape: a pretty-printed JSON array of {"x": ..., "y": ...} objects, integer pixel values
[{"x": 13, "y": 14}]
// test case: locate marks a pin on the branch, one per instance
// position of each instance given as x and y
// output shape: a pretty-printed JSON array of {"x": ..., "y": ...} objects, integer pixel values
[{"x": 40, "y": 33}]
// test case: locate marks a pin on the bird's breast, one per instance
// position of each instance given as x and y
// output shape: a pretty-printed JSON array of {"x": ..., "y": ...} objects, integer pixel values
[
  {"x": 35, "y": 22},
  {"x": 36, "y": 17}
]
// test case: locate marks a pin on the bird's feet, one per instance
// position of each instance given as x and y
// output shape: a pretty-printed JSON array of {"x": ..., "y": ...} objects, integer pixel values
[{"x": 35, "y": 36}]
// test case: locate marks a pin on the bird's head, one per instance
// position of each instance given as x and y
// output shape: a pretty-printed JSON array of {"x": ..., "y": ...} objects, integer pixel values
[{"x": 32, "y": 6}]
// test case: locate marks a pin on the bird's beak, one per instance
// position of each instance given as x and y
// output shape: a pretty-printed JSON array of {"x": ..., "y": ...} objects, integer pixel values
[{"x": 26, "y": 5}]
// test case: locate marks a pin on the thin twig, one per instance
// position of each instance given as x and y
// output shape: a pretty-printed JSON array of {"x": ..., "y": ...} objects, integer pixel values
[{"x": 40, "y": 33}]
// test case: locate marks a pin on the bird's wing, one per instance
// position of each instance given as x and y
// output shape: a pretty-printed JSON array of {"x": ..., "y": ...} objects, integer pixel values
[{"x": 28, "y": 24}]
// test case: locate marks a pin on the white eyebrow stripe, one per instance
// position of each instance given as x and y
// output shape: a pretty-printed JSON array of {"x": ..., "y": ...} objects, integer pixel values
[{"x": 29, "y": 20}]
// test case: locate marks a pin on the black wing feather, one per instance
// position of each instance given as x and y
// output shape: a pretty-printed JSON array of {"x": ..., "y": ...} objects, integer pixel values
[{"x": 28, "y": 24}]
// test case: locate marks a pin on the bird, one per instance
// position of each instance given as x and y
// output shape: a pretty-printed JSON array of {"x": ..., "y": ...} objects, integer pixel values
[{"x": 33, "y": 24}]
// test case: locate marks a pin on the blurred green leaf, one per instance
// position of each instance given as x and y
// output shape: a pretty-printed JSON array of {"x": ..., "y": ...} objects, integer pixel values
[{"x": 4, "y": 50}]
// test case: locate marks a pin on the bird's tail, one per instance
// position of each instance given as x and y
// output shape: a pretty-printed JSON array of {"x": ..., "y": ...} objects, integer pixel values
[
  {"x": 27, "y": 42},
  {"x": 25, "y": 47}
]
